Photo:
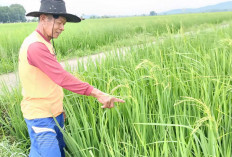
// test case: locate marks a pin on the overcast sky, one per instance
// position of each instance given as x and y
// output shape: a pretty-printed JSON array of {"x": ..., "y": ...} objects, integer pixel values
[{"x": 117, "y": 7}]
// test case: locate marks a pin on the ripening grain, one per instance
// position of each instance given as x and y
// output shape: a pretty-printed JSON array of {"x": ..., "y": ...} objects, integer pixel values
[{"x": 177, "y": 92}]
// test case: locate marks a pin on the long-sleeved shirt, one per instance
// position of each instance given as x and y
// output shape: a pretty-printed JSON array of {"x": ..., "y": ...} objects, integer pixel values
[
  {"x": 42, "y": 79},
  {"x": 39, "y": 56}
]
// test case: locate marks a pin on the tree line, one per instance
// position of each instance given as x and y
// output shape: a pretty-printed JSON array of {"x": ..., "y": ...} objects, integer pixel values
[
  {"x": 152, "y": 13},
  {"x": 13, "y": 13},
  {"x": 16, "y": 13}
]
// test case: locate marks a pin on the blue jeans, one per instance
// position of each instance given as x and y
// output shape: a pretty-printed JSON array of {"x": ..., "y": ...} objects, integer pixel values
[{"x": 46, "y": 138}]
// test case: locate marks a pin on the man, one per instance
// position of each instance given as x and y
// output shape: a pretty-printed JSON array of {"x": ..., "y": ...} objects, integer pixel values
[{"x": 43, "y": 78}]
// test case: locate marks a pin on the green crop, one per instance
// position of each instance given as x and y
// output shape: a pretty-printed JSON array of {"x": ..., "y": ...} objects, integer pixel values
[{"x": 177, "y": 92}]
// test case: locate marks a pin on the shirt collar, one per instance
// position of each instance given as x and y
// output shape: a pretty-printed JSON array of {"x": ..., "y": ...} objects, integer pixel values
[{"x": 43, "y": 36}]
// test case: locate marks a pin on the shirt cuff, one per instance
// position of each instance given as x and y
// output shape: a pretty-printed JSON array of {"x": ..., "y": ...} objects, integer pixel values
[{"x": 89, "y": 90}]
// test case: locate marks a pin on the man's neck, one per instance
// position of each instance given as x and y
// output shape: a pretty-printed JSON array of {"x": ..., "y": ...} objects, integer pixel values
[{"x": 42, "y": 31}]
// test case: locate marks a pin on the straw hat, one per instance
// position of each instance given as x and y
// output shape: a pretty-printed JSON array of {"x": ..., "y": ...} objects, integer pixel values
[{"x": 54, "y": 7}]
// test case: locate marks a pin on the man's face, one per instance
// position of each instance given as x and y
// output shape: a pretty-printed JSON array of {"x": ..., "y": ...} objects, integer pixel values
[{"x": 49, "y": 21}]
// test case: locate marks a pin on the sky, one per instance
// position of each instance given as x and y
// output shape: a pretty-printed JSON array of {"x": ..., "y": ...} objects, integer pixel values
[{"x": 116, "y": 7}]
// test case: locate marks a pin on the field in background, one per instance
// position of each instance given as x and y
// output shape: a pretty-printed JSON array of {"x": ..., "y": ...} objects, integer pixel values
[
  {"x": 177, "y": 92},
  {"x": 92, "y": 36}
]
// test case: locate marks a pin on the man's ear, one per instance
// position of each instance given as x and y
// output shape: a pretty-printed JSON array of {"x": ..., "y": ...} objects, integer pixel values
[{"x": 42, "y": 17}]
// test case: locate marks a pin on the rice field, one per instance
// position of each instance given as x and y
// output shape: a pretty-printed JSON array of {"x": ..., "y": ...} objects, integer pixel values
[
  {"x": 177, "y": 91},
  {"x": 92, "y": 36}
]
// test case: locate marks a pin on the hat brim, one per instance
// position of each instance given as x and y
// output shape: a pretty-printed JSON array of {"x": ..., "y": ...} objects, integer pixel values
[{"x": 69, "y": 17}]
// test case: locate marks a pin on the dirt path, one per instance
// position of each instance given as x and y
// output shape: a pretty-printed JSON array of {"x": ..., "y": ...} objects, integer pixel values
[{"x": 11, "y": 80}]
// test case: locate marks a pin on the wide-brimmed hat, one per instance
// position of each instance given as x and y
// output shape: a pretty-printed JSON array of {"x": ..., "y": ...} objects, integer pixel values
[{"x": 54, "y": 7}]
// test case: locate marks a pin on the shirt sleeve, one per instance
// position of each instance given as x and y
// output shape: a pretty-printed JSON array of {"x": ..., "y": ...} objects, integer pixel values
[{"x": 39, "y": 56}]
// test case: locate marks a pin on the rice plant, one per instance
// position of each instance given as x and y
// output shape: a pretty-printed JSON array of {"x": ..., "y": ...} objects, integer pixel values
[
  {"x": 92, "y": 36},
  {"x": 177, "y": 93}
]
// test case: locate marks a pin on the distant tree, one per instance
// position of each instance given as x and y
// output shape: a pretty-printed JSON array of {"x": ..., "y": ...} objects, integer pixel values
[
  {"x": 105, "y": 16},
  {"x": 4, "y": 16},
  {"x": 153, "y": 13},
  {"x": 35, "y": 19},
  {"x": 17, "y": 13},
  {"x": 93, "y": 17},
  {"x": 14, "y": 13}
]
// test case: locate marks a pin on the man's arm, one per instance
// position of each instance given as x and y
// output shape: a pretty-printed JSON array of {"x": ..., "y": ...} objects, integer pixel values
[{"x": 40, "y": 57}]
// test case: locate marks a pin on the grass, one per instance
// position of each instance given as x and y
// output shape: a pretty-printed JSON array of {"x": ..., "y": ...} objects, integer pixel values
[
  {"x": 90, "y": 36},
  {"x": 8, "y": 147},
  {"x": 177, "y": 93},
  {"x": 177, "y": 101}
]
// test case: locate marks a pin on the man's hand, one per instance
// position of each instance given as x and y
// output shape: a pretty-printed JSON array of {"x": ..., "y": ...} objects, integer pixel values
[
  {"x": 108, "y": 101},
  {"x": 105, "y": 99}
]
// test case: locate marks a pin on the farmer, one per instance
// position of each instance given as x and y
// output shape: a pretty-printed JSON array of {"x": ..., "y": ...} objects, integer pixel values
[{"x": 43, "y": 78}]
